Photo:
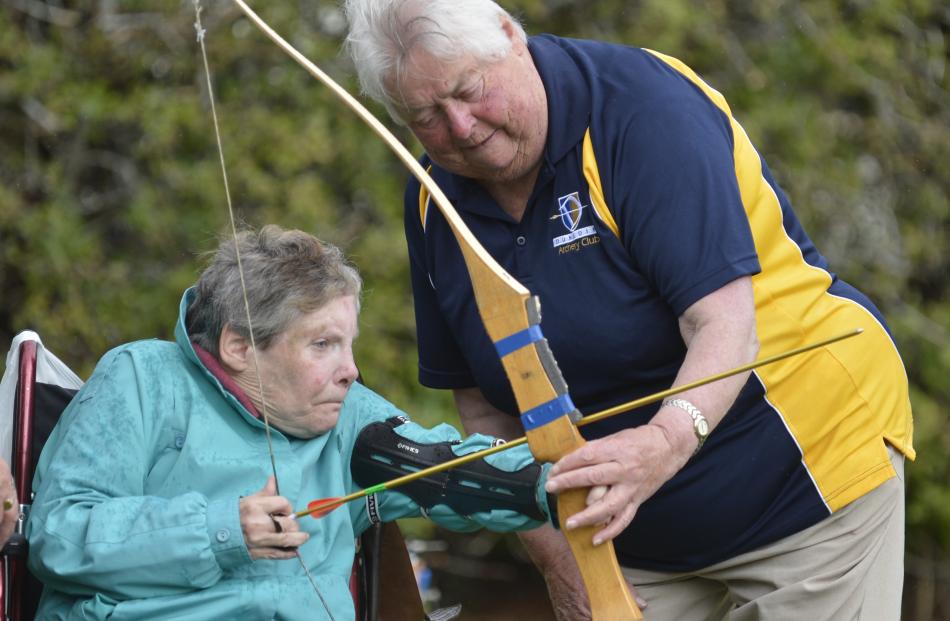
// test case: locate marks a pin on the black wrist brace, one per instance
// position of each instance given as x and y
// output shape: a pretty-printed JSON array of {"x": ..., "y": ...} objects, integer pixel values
[{"x": 380, "y": 454}]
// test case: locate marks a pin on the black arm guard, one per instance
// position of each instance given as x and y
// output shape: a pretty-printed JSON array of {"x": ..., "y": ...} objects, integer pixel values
[{"x": 380, "y": 454}]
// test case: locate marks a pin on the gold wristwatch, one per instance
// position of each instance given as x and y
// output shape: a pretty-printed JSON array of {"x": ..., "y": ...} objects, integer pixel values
[{"x": 700, "y": 424}]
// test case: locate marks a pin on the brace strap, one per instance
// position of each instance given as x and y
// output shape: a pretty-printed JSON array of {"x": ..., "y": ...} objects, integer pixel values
[{"x": 381, "y": 454}]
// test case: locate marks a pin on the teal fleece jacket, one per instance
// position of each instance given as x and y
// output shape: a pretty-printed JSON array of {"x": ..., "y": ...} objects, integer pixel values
[{"x": 137, "y": 490}]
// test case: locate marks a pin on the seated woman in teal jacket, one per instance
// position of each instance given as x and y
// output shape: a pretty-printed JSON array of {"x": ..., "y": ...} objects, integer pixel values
[{"x": 155, "y": 496}]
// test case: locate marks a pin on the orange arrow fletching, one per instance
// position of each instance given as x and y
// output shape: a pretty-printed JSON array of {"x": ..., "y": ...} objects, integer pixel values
[{"x": 319, "y": 508}]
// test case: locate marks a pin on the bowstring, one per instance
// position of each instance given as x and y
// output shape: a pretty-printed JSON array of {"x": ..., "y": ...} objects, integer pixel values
[{"x": 200, "y": 33}]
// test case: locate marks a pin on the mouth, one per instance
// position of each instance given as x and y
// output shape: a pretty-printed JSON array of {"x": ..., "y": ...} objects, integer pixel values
[
  {"x": 481, "y": 143},
  {"x": 333, "y": 406}
]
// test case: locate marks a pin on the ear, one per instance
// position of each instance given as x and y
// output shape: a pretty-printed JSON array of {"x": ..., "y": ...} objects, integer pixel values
[
  {"x": 234, "y": 350},
  {"x": 511, "y": 32}
]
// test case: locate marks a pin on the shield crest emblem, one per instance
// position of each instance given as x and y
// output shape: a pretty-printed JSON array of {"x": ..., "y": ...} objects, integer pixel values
[{"x": 570, "y": 208}]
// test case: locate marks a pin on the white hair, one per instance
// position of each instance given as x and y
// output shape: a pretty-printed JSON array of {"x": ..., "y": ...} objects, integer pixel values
[
  {"x": 383, "y": 32},
  {"x": 286, "y": 273}
]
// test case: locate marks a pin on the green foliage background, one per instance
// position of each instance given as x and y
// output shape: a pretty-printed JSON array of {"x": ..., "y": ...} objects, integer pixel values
[{"x": 110, "y": 184}]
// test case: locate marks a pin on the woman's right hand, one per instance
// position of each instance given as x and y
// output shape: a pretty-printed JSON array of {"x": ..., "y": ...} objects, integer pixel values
[{"x": 270, "y": 529}]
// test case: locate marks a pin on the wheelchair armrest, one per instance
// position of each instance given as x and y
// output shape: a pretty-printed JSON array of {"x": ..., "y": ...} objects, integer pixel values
[{"x": 16, "y": 546}]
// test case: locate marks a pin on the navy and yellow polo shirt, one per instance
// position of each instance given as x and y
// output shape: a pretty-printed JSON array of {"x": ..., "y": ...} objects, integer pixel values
[{"x": 650, "y": 197}]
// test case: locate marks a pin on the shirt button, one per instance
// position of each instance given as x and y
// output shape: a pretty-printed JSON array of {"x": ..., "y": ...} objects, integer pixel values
[
  {"x": 179, "y": 441},
  {"x": 520, "y": 240},
  {"x": 222, "y": 535}
]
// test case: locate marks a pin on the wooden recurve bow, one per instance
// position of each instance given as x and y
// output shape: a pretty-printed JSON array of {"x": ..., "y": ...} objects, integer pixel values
[{"x": 512, "y": 319}]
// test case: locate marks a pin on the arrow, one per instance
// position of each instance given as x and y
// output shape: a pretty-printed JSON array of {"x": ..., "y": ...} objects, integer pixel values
[
  {"x": 575, "y": 210},
  {"x": 319, "y": 508}
]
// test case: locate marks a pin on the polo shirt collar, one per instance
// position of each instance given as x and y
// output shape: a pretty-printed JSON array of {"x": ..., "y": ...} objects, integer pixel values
[{"x": 569, "y": 103}]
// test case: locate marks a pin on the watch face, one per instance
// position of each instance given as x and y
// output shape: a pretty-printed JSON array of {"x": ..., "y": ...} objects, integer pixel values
[{"x": 702, "y": 427}]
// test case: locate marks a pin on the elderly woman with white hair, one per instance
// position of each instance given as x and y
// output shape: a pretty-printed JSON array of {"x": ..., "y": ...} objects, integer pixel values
[
  {"x": 155, "y": 495},
  {"x": 620, "y": 189}
]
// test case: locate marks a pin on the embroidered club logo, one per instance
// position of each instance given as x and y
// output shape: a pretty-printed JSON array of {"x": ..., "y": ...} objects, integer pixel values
[{"x": 570, "y": 208}]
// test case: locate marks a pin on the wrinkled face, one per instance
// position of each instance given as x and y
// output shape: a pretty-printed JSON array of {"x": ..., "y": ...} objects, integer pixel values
[
  {"x": 478, "y": 119},
  {"x": 309, "y": 369}
]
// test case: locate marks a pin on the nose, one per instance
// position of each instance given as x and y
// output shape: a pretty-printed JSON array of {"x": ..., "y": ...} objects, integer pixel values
[
  {"x": 348, "y": 372},
  {"x": 460, "y": 119}
]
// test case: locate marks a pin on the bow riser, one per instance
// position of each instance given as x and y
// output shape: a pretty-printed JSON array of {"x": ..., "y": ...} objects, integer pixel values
[{"x": 536, "y": 381}]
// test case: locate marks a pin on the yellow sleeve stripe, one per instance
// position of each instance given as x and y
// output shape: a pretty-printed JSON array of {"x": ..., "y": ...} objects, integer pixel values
[
  {"x": 592, "y": 174},
  {"x": 424, "y": 201},
  {"x": 860, "y": 387}
]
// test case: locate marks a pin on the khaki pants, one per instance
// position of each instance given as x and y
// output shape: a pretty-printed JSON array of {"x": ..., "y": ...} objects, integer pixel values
[{"x": 849, "y": 566}]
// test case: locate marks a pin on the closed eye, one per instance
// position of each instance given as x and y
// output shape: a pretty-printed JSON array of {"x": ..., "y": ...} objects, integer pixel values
[
  {"x": 474, "y": 92},
  {"x": 425, "y": 122}
]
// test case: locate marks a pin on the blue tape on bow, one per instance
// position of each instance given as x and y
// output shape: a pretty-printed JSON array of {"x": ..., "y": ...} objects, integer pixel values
[
  {"x": 546, "y": 412},
  {"x": 518, "y": 340}
]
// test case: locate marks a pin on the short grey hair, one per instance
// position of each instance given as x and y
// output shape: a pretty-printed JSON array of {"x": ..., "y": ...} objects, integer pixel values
[
  {"x": 383, "y": 32},
  {"x": 288, "y": 273}
]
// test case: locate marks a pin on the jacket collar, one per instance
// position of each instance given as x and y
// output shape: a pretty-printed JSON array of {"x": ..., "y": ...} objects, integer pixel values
[{"x": 209, "y": 365}]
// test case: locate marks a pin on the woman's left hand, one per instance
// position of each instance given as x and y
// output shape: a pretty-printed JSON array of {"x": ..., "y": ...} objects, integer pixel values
[{"x": 624, "y": 470}]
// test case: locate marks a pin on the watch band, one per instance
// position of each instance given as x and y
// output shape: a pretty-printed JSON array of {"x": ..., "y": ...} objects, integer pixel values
[{"x": 700, "y": 424}]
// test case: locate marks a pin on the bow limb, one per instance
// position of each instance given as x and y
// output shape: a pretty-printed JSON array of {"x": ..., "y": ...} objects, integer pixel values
[{"x": 511, "y": 318}]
